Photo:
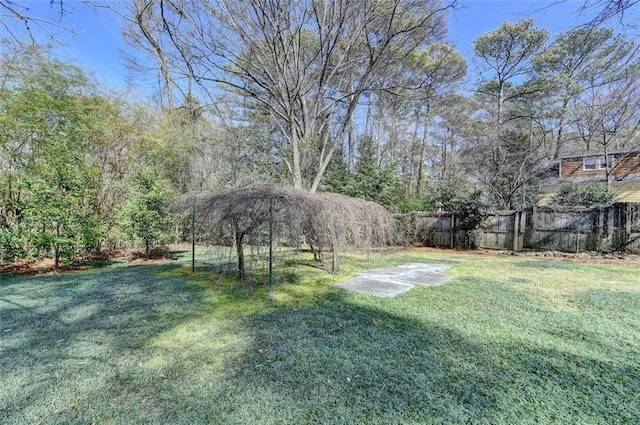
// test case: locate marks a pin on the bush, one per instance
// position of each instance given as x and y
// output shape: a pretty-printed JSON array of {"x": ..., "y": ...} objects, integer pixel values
[
  {"x": 590, "y": 195},
  {"x": 466, "y": 203},
  {"x": 11, "y": 244},
  {"x": 471, "y": 213}
]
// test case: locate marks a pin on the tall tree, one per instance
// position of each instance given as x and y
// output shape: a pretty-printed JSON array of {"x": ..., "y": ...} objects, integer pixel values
[
  {"x": 307, "y": 63},
  {"x": 507, "y": 55},
  {"x": 436, "y": 69},
  {"x": 573, "y": 65}
]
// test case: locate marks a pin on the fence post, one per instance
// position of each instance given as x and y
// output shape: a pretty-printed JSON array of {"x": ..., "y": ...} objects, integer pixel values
[
  {"x": 516, "y": 229},
  {"x": 602, "y": 242},
  {"x": 611, "y": 230},
  {"x": 628, "y": 218},
  {"x": 523, "y": 228},
  {"x": 453, "y": 231},
  {"x": 271, "y": 248},
  {"x": 534, "y": 225}
]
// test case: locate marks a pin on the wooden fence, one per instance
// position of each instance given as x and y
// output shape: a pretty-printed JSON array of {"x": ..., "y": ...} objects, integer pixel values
[{"x": 568, "y": 229}]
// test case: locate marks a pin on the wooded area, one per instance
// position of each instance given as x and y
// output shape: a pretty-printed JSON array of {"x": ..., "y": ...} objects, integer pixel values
[{"x": 364, "y": 99}]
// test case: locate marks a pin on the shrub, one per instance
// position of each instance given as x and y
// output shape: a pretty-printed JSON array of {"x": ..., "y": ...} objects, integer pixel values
[{"x": 589, "y": 195}]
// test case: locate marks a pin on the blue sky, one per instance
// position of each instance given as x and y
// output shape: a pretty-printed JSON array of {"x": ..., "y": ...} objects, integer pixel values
[
  {"x": 475, "y": 17},
  {"x": 96, "y": 43}
]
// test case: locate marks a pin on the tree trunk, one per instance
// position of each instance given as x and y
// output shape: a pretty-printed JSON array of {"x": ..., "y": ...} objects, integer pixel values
[
  {"x": 334, "y": 265},
  {"x": 56, "y": 248},
  {"x": 142, "y": 19},
  {"x": 412, "y": 184},
  {"x": 322, "y": 167},
  {"x": 367, "y": 122},
  {"x": 497, "y": 148},
  {"x": 296, "y": 171},
  {"x": 351, "y": 140},
  {"x": 240, "y": 251},
  {"x": 423, "y": 148}
]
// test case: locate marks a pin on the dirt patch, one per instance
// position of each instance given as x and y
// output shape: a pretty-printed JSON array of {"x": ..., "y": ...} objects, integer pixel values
[
  {"x": 32, "y": 267},
  {"x": 45, "y": 266}
]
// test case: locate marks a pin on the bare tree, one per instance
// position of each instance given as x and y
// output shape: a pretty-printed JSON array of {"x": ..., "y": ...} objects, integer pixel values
[
  {"x": 608, "y": 116},
  {"x": 11, "y": 11},
  {"x": 606, "y": 10},
  {"x": 307, "y": 63}
]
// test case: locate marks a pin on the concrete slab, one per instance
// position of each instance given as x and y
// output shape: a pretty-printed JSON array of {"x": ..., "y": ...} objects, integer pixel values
[
  {"x": 381, "y": 288},
  {"x": 422, "y": 278},
  {"x": 424, "y": 267},
  {"x": 391, "y": 281},
  {"x": 382, "y": 271}
]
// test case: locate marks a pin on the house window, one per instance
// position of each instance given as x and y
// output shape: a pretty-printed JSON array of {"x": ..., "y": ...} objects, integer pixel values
[
  {"x": 608, "y": 163},
  {"x": 590, "y": 163},
  {"x": 597, "y": 162}
]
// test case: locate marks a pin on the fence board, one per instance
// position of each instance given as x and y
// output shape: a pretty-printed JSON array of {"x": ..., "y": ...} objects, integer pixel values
[{"x": 569, "y": 229}]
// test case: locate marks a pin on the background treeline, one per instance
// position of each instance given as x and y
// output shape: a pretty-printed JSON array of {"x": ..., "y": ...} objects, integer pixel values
[
  {"x": 369, "y": 99},
  {"x": 387, "y": 112}
]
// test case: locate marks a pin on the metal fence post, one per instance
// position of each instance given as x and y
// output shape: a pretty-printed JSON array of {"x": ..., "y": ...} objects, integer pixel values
[
  {"x": 193, "y": 238},
  {"x": 271, "y": 248}
]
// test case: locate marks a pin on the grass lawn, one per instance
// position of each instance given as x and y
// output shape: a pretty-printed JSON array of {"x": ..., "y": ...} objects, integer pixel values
[{"x": 509, "y": 340}]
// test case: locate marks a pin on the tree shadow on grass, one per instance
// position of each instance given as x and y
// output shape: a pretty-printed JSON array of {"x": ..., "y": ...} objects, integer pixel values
[
  {"x": 343, "y": 363},
  {"x": 133, "y": 345},
  {"x": 65, "y": 334}
]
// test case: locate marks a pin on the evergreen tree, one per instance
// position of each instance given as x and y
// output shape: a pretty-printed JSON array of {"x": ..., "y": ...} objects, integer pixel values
[{"x": 144, "y": 216}]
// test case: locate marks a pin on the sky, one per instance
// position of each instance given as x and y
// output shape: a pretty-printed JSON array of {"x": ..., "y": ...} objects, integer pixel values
[
  {"x": 96, "y": 43},
  {"x": 475, "y": 17}
]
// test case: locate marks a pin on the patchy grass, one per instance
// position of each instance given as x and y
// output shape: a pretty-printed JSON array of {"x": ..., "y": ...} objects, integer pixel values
[{"x": 509, "y": 340}]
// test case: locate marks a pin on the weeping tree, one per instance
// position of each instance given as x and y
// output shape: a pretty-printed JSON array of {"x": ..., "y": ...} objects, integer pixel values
[
  {"x": 338, "y": 221},
  {"x": 236, "y": 213},
  {"x": 329, "y": 221}
]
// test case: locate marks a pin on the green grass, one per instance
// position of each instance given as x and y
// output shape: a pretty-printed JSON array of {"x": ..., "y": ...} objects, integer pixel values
[{"x": 508, "y": 340}]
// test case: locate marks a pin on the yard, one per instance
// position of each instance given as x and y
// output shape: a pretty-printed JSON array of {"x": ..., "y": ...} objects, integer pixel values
[{"x": 508, "y": 340}]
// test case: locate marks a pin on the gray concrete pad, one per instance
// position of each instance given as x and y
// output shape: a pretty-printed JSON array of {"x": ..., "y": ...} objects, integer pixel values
[
  {"x": 381, "y": 288},
  {"x": 391, "y": 281},
  {"x": 382, "y": 272},
  {"x": 424, "y": 267},
  {"x": 422, "y": 278}
]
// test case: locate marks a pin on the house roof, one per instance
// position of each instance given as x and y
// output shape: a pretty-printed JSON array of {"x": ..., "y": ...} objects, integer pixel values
[
  {"x": 584, "y": 154},
  {"x": 600, "y": 178},
  {"x": 573, "y": 145}
]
